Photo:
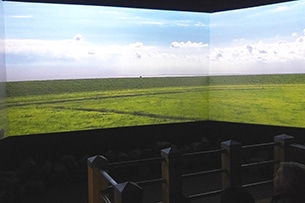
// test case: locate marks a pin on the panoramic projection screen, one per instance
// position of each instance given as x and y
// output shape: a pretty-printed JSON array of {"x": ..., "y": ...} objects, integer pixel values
[
  {"x": 114, "y": 67},
  {"x": 77, "y": 67}
]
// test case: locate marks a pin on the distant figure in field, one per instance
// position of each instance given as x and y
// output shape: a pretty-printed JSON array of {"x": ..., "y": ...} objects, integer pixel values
[
  {"x": 289, "y": 183},
  {"x": 236, "y": 194}
]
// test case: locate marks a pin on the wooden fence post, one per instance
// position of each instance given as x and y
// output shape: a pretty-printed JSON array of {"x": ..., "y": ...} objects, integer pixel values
[
  {"x": 282, "y": 148},
  {"x": 231, "y": 163},
  {"x": 128, "y": 192},
  {"x": 172, "y": 174},
  {"x": 96, "y": 182}
]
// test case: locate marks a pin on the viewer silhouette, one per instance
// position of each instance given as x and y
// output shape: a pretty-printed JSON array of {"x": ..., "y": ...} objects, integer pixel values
[{"x": 289, "y": 183}]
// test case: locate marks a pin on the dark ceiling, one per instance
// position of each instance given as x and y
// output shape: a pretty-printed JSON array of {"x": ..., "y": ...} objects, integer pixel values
[{"x": 183, "y": 5}]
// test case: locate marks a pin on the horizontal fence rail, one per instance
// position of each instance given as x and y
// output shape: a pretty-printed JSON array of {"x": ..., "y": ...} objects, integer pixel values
[
  {"x": 258, "y": 183},
  {"x": 259, "y": 146},
  {"x": 152, "y": 181},
  {"x": 171, "y": 160},
  {"x": 260, "y": 163},
  {"x": 140, "y": 162},
  {"x": 208, "y": 172},
  {"x": 216, "y": 151},
  {"x": 203, "y": 195}
]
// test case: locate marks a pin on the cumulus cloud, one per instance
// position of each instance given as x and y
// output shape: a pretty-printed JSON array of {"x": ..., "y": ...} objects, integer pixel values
[
  {"x": 78, "y": 37},
  {"x": 188, "y": 44},
  {"x": 281, "y": 8},
  {"x": 300, "y": 39},
  {"x": 249, "y": 48},
  {"x": 86, "y": 59},
  {"x": 136, "y": 45},
  {"x": 259, "y": 58},
  {"x": 294, "y": 34},
  {"x": 75, "y": 47},
  {"x": 22, "y": 16},
  {"x": 200, "y": 24}
]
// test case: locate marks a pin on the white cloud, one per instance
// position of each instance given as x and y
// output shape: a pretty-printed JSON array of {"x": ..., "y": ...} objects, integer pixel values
[
  {"x": 259, "y": 58},
  {"x": 22, "y": 16},
  {"x": 78, "y": 37},
  {"x": 59, "y": 58},
  {"x": 281, "y": 8},
  {"x": 188, "y": 44},
  {"x": 239, "y": 40},
  {"x": 136, "y": 45},
  {"x": 74, "y": 48},
  {"x": 249, "y": 48},
  {"x": 182, "y": 24},
  {"x": 200, "y": 24},
  {"x": 300, "y": 39},
  {"x": 150, "y": 22}
]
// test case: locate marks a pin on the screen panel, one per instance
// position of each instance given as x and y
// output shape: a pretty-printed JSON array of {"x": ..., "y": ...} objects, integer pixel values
[
  {"x": 77, "y": 67},
  {"x": 257, "y": 61},
  {"x": 3, "y": 110}
]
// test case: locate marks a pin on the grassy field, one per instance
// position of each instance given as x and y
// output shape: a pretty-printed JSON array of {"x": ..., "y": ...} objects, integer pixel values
[
  {"x": 39, "y": 107},
  {"x": 281, "y": 105}
]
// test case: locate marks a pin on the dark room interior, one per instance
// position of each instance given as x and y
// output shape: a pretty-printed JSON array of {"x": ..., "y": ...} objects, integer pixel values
[{"x": 25, "y": 154}]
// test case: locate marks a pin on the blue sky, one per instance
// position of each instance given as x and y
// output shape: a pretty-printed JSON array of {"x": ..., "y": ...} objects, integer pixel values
[
  {"x": 45, "y": 41},
  {"x": 259, "y": 40},
  {"x": 53, "y": 41}
]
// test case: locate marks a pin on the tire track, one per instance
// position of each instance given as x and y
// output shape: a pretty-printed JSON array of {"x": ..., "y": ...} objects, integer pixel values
[
  {"x": 99, "y": 97},
  {"x": 134, "y": 113}
]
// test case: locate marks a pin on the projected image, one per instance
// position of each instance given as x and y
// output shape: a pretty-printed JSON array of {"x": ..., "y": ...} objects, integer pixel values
[
  {"x": 79, "y": 67},
  {"x": 49, "y": 41},
  {"x": 259, "y": 40},
  {"x": 257, "y": 65}
]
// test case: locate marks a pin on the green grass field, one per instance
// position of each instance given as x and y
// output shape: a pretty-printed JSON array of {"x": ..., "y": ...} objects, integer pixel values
[
  {"x": 39, "y": 107},
  {"x": 58, "y": 106},
  {"x": 280, "y": 105}
]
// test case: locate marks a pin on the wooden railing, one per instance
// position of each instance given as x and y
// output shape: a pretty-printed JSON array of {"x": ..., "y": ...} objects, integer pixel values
[
  {"x": 171, "y": 159},
  {"x": 103, "y": 188}
]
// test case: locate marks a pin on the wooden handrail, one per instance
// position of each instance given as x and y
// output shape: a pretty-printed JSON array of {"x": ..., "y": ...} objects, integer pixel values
[
  {"x": 171, "y": 164},
  {"x": 110, "y": 180},
  {"x": 99, "y": 181}
]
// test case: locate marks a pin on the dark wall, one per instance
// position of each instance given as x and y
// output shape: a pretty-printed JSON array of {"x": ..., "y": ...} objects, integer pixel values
[{"x": 51, "y": 146}]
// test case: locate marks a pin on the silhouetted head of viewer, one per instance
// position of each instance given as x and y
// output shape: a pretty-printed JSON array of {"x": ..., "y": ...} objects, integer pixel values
[
  {"x": 236, "y": 194},
  {"x": 289, "y": 183}
]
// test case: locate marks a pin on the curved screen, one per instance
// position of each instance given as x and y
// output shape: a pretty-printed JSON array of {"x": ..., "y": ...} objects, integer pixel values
[{"x": 77, "y": 67}]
